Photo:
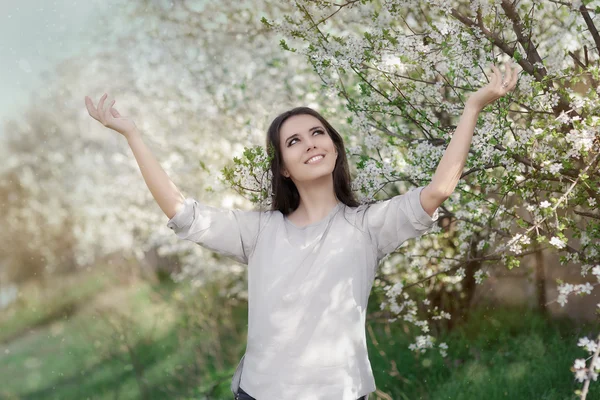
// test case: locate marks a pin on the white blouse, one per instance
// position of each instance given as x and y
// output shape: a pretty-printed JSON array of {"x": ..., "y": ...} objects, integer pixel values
[{"x": 308, "y": 289}]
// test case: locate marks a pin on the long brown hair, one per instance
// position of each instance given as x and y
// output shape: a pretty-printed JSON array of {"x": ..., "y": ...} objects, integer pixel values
[{"x": 285, "y": 196}]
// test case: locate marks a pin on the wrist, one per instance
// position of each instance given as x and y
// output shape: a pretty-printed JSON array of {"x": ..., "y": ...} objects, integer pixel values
[
  {"x": 132, "y": 134},
  {"x": 472, "y": 107}
]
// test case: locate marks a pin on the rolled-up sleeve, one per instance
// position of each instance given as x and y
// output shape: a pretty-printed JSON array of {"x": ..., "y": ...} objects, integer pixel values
[
  {"x": 395, "y": 220},
  {"x": 232, "y": 233}
]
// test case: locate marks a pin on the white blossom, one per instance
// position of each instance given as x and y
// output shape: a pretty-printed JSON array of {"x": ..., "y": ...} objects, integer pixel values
[
  {"x": 555, "y": 168},
  {"x": 579, "y": 363},
  {"x": 479, "y": 275},
  {"x": 558, "y": 243},
  {"x": 590, "y": 345},
  {"x": 581, "y": 375}
]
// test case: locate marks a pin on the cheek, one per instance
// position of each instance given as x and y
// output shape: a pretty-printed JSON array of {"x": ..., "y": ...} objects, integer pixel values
[
  {"x": 330, "y": 144},
  {"x": 289, "y": 155},
  {"x": 332, "y": 148}
]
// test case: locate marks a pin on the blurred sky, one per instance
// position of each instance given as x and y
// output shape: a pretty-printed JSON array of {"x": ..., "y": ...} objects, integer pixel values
[{"x": 34, "y": 36}]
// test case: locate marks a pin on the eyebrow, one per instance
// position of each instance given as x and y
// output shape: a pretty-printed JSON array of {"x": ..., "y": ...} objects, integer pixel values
[{"x": 296, "y": 134}]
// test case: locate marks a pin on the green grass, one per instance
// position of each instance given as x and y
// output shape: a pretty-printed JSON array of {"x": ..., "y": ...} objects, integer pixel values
[
  {"x": 80, "y": 356},
  {"x": 499, "y": 354},
  {"x": 507, "y": 353},
  {"x": 40, "y": 306}
]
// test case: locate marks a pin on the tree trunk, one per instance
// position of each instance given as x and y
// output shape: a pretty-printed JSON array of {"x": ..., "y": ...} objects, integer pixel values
[{"x": 540, "y": 279}]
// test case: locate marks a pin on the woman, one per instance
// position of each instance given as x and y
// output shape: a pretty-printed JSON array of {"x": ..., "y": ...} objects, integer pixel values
[{"x": 313, "y": 257}]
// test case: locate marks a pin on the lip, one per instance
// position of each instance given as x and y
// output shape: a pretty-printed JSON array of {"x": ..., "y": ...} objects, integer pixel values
[{"x": 306, "y": 162}]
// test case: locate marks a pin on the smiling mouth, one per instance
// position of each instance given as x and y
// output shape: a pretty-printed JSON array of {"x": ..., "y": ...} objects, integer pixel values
[{"x": 318, "y": 157}]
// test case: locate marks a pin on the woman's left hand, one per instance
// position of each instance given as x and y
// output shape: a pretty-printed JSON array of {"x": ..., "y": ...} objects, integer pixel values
[{"x": 496, "y": 88}]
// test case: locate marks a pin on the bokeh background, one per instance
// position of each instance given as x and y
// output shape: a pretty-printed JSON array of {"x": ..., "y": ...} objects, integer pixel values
[{"x": 98, "y": 298}]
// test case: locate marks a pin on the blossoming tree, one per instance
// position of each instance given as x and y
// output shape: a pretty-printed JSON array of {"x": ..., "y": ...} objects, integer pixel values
[{"x": 405, "y": 69}]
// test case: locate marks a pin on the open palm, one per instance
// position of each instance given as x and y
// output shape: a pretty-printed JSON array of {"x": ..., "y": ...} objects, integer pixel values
[
  {"x": 110, "y": 117},
  {"x": 496, "y": 88}
]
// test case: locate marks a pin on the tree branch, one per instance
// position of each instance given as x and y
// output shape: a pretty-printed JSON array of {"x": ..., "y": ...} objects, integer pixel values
[{"x": 590, "y": 24}]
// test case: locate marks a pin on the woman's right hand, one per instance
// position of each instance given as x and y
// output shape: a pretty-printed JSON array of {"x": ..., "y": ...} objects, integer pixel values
[{"x": 110, "y": 117}]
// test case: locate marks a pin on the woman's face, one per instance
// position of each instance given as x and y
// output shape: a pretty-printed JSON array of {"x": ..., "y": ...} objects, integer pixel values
[{"x": 303, "y": 137}]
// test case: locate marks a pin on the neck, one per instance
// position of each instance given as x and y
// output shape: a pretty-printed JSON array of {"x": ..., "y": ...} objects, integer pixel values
[{"x": 317, "y": 199}]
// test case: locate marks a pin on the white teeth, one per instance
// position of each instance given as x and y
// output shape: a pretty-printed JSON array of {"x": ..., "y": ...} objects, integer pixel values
[{"x": 315, "y": 158}]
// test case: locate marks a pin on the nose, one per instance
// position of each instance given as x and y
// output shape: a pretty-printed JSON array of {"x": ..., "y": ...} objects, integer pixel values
[{"x": 310, "y": 145}]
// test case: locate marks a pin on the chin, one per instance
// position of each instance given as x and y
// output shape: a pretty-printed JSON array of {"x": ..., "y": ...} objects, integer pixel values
[{"x": 317, "y": 175}]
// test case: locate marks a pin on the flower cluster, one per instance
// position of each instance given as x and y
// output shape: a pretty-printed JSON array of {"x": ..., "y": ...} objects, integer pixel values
[
  {"x": 566, "y": 289},
  {"x": 583, "y": 372}
]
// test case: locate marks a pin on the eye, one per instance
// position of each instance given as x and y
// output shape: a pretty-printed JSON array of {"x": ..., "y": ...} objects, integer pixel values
[{"x": 316, "y": 131}]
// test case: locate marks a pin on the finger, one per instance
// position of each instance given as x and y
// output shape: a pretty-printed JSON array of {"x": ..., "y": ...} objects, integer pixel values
[
  {"x": 106, "y": 113},
  {"x": 508, "y": 73},
  {"x": 91, "y": 109},
  {"x": 515, "y": 78},
  {"x": 101, "y": 108},
  {"x": 115, "y": 113},
  {"x": 497, "y": 76}
]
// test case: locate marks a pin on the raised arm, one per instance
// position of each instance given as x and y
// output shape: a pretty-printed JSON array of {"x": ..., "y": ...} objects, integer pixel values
[
  {"x": 450, "y": 168},
  {"x": 169, "y": 198}
]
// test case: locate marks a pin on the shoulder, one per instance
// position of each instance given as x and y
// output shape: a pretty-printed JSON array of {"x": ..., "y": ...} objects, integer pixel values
[
  {"x": 362, "y": 209},
  {"x": 254, "y": 218},
  {"x": 355, "y": 215}
]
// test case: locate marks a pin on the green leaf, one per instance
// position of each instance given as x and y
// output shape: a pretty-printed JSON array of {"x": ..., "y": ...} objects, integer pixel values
[
  {"x": 266, "y": 23},
  {"x": 521, "y": 223},
  {"x": 203, "y": 166},
  {"x": 285, "y": 46},
  {"x": 513, "y": 262},
  {"x": 517, "y": 56}
]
